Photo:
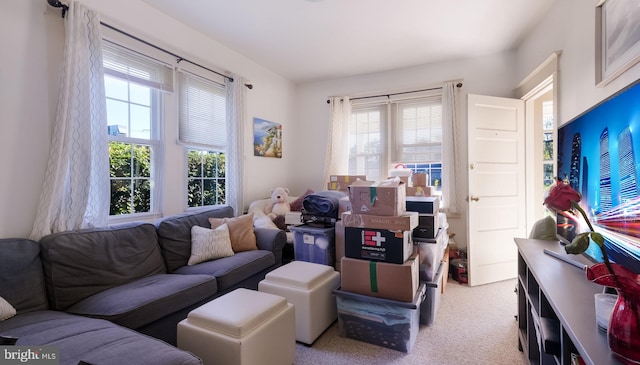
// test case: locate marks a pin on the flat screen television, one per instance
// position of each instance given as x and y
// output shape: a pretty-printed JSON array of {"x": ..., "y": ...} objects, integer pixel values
[{"x": 599, "y": 156}]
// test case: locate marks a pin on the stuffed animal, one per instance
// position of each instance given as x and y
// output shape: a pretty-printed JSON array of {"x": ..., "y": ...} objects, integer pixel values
[{"x": 280, "y": 202}]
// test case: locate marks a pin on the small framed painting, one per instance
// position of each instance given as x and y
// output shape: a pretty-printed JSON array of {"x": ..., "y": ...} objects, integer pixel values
[
  {"x": 267, "y": 138},
  {"x": 617, "y": 38}
]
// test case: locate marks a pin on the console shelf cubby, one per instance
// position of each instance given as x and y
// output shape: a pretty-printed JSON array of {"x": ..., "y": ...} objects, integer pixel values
[{"x": 556, "y": 313}]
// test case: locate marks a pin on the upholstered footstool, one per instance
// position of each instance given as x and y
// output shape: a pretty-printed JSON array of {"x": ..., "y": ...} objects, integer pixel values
[
  {"x": 309, "y": 287},
  {"x": 243, "y": 327}
]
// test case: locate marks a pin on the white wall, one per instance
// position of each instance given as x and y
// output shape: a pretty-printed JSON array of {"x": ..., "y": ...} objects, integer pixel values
[
  {"x": 32, "y": 54},
  {"x": 570, "y": 27},
  {"x": 491, "y": 75}
]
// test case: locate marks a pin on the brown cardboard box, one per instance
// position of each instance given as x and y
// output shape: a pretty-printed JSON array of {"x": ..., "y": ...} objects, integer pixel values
[
  {"x": 377, "y": 244},
  {"x": 419, "y": 179},
  {"x": 406, "y": 222},
  {"x": 339, "y": 238},
  {"x": 380, "y": 279},
  {"x": 340, "y": 186},
  {"x": 418, "y": 190},
  {"x": 346, "y": 178},
  {"x": 387, "y": 197}
]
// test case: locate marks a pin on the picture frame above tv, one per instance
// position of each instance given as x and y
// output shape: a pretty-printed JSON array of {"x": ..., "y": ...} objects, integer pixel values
[{"x": 599, "y": 156}]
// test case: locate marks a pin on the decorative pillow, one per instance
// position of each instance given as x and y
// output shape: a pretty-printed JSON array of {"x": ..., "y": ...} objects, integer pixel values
[
  {"x": 6, "y": 310},
  {"x": 240, "y": 230},
  {"x": 208, "y": 244},
  {"x": 296, "y": 205}
]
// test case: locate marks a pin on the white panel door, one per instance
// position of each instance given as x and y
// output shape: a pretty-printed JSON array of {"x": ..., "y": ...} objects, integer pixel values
[{"x": 497, "y": 204}]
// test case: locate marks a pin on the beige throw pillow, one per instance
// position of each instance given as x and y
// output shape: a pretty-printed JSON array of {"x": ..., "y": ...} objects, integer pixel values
[
  {"x": 241, "y": 231},
  {"x": 6, "y": 310},
  {"x": 208, "y": 244}
]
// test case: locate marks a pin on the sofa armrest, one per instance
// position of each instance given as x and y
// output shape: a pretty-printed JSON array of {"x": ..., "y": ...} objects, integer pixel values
[{"x": 272, "y": 240}]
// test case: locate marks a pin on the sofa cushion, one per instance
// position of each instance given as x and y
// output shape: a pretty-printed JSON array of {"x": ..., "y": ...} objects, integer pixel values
[
  {"x": 145, "y": 300},
  {"x": 80, "y": 263},
  {"x": 174, "y": 233},
  {"x": 21, "y": 278},
  {"x": 209, "y": 244},
  {"x": 240, "y": 230},
  {"x": 232, "y": 270},
  {"x": 93, "y": 341}
]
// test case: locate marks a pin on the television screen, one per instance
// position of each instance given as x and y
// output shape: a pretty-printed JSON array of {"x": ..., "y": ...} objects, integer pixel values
[{"x": 599, "y": 156}]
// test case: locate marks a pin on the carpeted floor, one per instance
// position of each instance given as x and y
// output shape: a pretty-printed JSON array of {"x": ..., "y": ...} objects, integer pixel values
[{"x": 474, "y": 325}]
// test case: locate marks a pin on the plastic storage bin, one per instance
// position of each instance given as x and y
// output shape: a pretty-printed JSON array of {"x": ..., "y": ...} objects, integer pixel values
[
  {"x": 430, "y": 253},
  {"x": 314, "y": 244},
  {"x": 381, "y": 322},
  {"x": 429, "y": 306}
]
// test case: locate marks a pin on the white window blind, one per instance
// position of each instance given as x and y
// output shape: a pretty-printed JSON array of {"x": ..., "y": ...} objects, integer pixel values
[
  {"x": 134, "y": 67},
  {"x": 419, "y": 131},
  {"x": 202, "y": 112}
]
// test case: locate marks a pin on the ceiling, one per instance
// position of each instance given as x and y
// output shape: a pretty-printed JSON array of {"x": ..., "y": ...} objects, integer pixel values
[{"x": 311, "y": 40}]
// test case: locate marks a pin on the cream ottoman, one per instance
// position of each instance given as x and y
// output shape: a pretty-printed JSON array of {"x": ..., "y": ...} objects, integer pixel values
[
  {"x": 309, "y": 287},
  {"x": 241, "y": 327}
]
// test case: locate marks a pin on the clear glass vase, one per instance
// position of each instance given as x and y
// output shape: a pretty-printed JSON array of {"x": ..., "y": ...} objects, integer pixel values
[{"x": 624, "y": 325}]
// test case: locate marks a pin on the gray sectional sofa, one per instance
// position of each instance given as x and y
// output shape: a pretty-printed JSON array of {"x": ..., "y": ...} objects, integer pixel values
[{"x": 114, "y": 295}]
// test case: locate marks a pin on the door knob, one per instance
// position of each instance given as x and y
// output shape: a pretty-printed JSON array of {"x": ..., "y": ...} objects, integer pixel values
[{"x": 475, "y": 198}]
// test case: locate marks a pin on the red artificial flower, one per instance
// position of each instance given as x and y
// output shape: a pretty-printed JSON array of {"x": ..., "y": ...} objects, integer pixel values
[{"x": 561, "y": 196}]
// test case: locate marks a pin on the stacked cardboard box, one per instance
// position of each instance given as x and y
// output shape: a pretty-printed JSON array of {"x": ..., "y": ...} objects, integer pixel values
[
  {"x": 419, "y": 185},
  {"x": 342, "y": 182},
  {"x": 379, "y": 269}
]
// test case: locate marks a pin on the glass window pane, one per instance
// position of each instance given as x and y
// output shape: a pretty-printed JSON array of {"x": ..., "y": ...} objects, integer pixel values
[
  {"x": 142, "y": 195},
  {"x": 140, "y": 95},
  {"x": 115, "y": 88},
  {"x": 120, "y": 197},
  {"x": 142, "y": 161},
  {"x": 209, "y": 191},
  {"x": 119, "y": 159},
  {"x": 193, "y": 164},
  {"x": 117, "y": 117},
  {"x": 140, "y": 122},
  {"x": 194, "y": 192}
]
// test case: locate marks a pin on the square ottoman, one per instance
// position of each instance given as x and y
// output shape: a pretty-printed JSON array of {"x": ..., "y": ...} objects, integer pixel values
[
  {"x": 243, "y": 327},
  {"x": 309, "y": 287}
]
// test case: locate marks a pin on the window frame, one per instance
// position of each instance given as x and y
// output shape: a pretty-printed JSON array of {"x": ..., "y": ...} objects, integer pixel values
[
  {"x": 196, "y": 144},
  {"x": 391, "y": 133}
]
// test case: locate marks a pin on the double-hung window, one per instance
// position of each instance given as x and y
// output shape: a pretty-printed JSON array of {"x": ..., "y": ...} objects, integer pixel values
[
  {"x": 202, "y": 129},
  {"x": 134, "y": 86},
  {"x": 405, "y": 131}
]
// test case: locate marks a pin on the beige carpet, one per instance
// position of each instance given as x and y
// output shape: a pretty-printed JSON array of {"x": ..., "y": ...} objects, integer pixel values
[{"x": 474, "y": 325}]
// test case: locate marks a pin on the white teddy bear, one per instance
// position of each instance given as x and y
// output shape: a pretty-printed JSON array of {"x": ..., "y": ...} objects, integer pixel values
[{"x": 280, "y": 202}]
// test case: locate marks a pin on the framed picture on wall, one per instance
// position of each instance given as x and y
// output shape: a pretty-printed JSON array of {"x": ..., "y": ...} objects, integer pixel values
[
  {"x": 617, "y": 38},
  {"x": 267, "y": 138}
]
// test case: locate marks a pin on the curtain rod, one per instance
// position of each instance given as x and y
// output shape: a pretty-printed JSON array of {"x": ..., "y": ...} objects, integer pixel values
[
  {"x": 65, "y": 8},
  {"x": 400, "y": 93}
]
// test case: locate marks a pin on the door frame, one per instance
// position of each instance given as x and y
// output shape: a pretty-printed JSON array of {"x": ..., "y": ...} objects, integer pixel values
[{"x": 542, "y": 80}]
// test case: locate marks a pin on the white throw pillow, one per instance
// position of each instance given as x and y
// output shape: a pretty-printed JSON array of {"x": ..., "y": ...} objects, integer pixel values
[
  {"x": 208, "y": 244},
  {"x": 6, "y": 310}
]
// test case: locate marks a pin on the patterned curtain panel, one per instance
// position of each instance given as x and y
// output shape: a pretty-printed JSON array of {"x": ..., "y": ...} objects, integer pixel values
[
  {"x": 450, "y": 151},
  {"x": 75, "y": 193},
  {"x": 337, "y": 162},
  {"x": 235, "y": 141}
]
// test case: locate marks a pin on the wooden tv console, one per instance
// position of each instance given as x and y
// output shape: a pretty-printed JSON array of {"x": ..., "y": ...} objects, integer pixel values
[{"x": 556, "y": 310}]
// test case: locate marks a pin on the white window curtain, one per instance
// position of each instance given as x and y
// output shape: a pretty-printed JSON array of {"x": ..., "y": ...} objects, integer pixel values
[
  {"x": 337, "y": 160},
  {"x": 75, "y": 192},
  {"x": 235, "y": 99},
  {"x": 450, "y": 151}
]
